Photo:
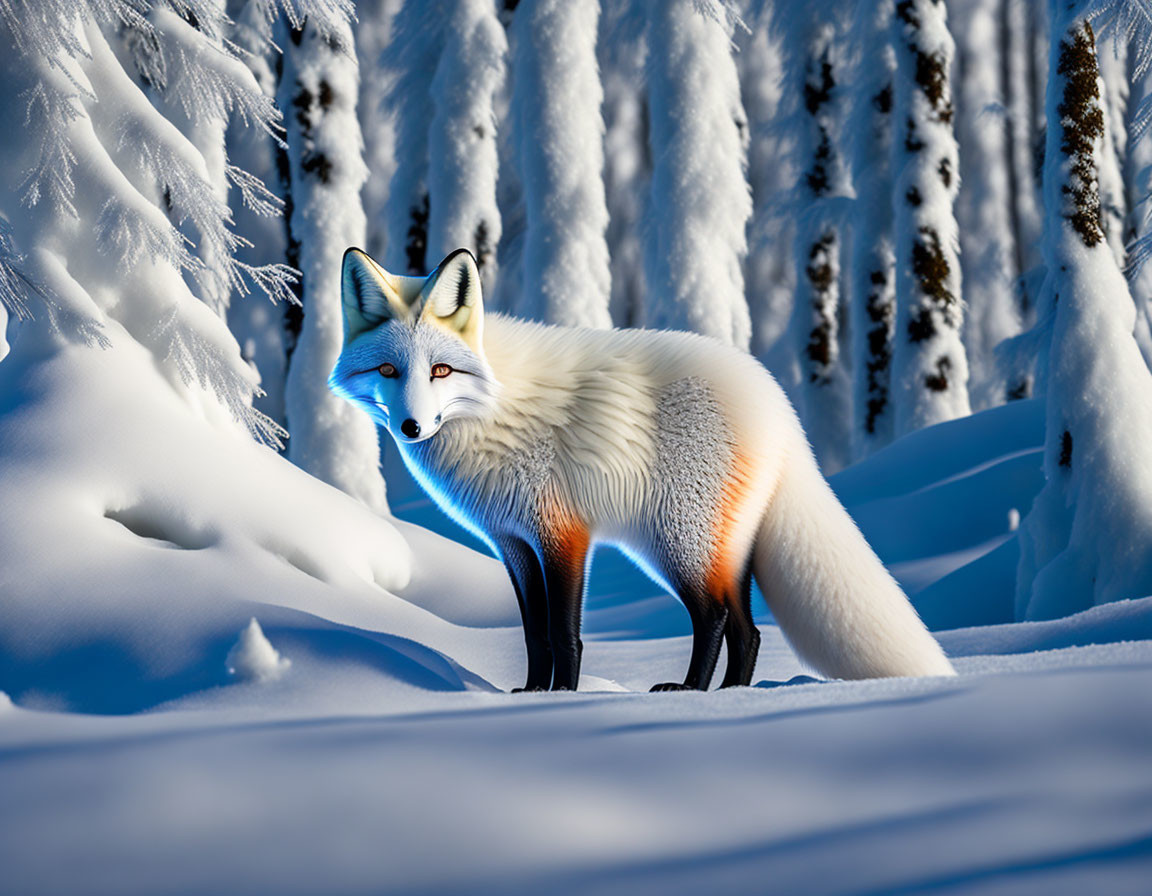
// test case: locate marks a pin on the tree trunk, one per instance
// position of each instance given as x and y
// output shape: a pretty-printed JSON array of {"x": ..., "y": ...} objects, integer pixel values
[
  {"x": 930, "y": 368},
  {"x": 1088, "y": 536}
]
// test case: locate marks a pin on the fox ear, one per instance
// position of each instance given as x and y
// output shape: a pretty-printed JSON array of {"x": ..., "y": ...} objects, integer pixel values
[
  {"x": 369, "y": 294},
  {"x": 451, "y": 298}
]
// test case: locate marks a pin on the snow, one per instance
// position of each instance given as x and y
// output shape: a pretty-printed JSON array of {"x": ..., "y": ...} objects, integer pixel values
[
  {"x": 253, "y": 657},
  {"x": 387, "y": 758},
  {"x": 221, "y": 674}
]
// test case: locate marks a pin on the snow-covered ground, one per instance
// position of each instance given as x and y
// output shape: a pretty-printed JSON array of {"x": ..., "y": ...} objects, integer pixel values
[{"x": 358, "y": 738}]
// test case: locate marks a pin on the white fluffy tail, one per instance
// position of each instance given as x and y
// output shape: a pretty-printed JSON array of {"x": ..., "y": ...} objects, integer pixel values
[{"x": 837, "y": 605}]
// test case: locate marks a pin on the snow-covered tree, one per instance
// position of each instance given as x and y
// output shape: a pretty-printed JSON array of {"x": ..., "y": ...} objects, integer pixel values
[
  {"x": 558, "y": 134},
  {"x": 97, "y": 180},
  {"x": 770, "y": 276},
  {"x": 1138, "y": 183},
  {"x": 929, "y": 366},
  {"x": 1018, "y": 34},
  {"x": 1088, "y": 536},
  {"x": 330, "y": 438},
  {"x": 1113, "y": 59},
  {"x": 258, "y": 325},
  {"x": 700, "y": 202},
  {"x": 373, "y": 35},
  {"x": 627, "y": 164},
  {"x": 983, "y": 207},
  {"x": 417, "y": 39},
  {"x": 462, "y": 152},
  {"x": 815, "y": 67},
  {"x": 871, "y": 276}
]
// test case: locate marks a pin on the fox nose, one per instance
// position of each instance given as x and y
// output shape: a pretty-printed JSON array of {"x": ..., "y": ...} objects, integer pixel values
[{"x": 410, "y": 428}]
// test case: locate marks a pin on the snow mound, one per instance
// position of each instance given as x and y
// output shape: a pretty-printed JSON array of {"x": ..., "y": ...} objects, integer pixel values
[{"x": 253, "y": 658}]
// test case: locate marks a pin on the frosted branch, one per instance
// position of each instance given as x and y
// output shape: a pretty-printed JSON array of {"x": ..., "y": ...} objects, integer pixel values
[{"x": 257, "y": 197}]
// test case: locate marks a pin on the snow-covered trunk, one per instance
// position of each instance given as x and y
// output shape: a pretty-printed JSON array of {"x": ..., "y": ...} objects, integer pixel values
[
  {"x": 1088, "y": 536},
  {"x": 627, "y": 163},
  {"x": 417, "y": 39},
  {"x": 815, "y": 67},
  {"x": 1016, "y": 42},
  {"x": 559, "y": 134},
  {"x": 1138, "y": 183},
  {"x": 700, "y": 201},
  {"x": 984, "y": 205},
  {"x": 373, "y": 34},
  {"x": 329, "y": 438},
  {"x": 871, "y": 276},
  {"x": 462, "y": 152},
  {"x": 1113, "y": 59},
  {"x": 929, "y": 366},
  {"x": 769, "y": 273}
]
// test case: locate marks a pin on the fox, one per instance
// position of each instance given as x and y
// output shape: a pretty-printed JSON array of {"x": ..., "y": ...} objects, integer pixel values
[{"x": 546, "y": 441}]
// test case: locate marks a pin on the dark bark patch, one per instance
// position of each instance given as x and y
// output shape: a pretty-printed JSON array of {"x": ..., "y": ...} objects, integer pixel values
[
  {"x": 1082, "y": 127},
  {"x": 1065, "y": 450},
  {"x": 327, "y": 95},
  {"x": 318, "y": 165},
  {"x": 817, "y": 178},
  {"x": 921, "y": 326},
  {"x": 913, "y": 197},
  {"x": 1021, "y": 389},
  {"x": 416, "y": 246},
  {"x": 938, "y": 380},
  {"x": 931, "y": 268},
  {"x": 818, "y": 86},
  {"x": 882, "y": 101},
  {"x": 912, "y": 141},
  {"x": 945, "y": 171},
  {"x": 483, "y": 243},
  {"x": 822, "y": 337}
]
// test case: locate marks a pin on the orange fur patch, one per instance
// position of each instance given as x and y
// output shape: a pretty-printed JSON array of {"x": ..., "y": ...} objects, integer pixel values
[
  {"x": 565, "y": 536},
  {"x": 726, "y": 571}
]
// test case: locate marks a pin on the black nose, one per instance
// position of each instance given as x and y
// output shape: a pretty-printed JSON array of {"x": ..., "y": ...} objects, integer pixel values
[{"x": 410, "y": 428}]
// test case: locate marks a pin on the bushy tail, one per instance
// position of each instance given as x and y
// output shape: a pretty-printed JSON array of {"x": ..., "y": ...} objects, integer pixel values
[{"x": 837, "y": 605}]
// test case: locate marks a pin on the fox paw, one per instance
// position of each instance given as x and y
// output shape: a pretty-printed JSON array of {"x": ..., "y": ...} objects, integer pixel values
[{"x": 669, "y": 686}]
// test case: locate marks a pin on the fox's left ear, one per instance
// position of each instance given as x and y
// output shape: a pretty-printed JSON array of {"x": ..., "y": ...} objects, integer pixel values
[{"x": 451, "y": 298}]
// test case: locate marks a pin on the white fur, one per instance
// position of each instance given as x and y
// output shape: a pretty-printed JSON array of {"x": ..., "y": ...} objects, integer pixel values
[
  {"x": 580, "y": 419},
  {"x": 593, "y": 392}
]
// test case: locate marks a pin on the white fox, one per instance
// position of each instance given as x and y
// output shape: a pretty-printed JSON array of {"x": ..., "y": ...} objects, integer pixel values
[{"x": 682, "y": 451}]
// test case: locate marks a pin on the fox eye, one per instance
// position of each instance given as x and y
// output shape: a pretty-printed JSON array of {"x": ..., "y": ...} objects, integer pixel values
[
  {"x": 440, "y": 370},
  {"x": 388, "y": 370}
]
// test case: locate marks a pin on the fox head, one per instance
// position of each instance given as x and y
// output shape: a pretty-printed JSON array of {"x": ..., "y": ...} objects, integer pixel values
[{"x": 413, "y": 355}]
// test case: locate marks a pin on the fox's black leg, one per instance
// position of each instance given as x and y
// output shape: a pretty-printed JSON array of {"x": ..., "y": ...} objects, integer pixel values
[
  {"x": 708, "y": 618},
  {"x": 565, "y": 585},
  {"x": 528, "y": 582},
  {"x": 742, "y": 636}
]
